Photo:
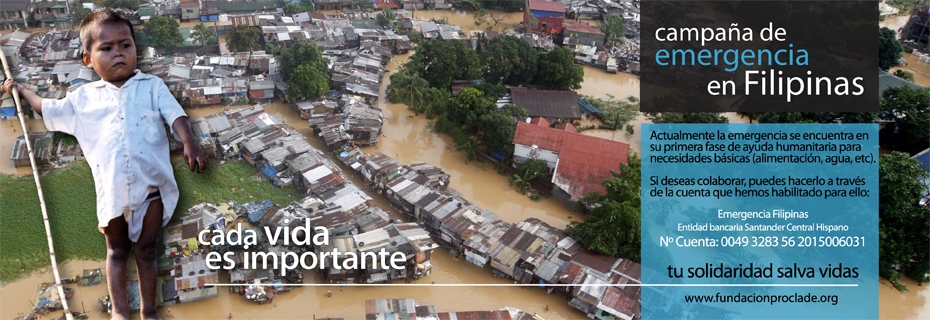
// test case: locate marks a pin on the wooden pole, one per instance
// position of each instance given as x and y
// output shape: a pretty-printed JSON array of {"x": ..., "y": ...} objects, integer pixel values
[{"x": 35, "y": 174}]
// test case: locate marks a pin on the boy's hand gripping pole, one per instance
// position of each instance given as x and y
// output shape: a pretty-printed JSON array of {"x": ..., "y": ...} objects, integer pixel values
[{"x": 35, "y": 174}]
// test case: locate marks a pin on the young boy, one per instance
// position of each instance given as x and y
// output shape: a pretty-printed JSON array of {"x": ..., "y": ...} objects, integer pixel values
[{"x": 118, "y": 122}]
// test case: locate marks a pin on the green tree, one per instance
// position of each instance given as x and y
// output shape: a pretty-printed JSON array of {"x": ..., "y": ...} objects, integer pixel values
[
  {"x": 491, "y": 90},
  {"x": 468, "y": 146},
  {"x": 685, "y": 117},
  {"x": 904, "y": 5},
  {"x": 481, "y": 17},
  {"x": 504, "y": 5},
  {"x": 509, "y": 60},
  {"x": 889, "y": 48},
  {"x": 441, "y": 62},
  {"x": 298, "y": 7},
  {"x": 522, "y": 182},
  {"x": 386, "y": 19},
  {"x": 616, "y": 112},
  {"x": 164, "y": 32},
  {"x": 271, "y": 49},
  {"x": 497, "y": 132},
  {"x": 534, "y": 168},
  {"x": 785, "y": 117},
  {"x": 301, "y": 53},
  {"x": 243, "y": 39},
  {"x": 470, "y": 5},
  {"x": 529, "y": 172},
  {"x": 612, "y": 227},
  {"x": 307, "y": 82},
  {"x": 904, "y": 75},
  {"x": 131, "y": 5},
  {"x": 817, "y": 117},
  {"x": 515, "y": 111},
  {"x": 414, "y": 35},
  {"x": 408, "y": 89},
  {"x": 904, "y": 223},
  {"x": 363, "y": 4},
  {"x": 910, "y": 111},
  {"x": 202, "y": 35},
  {"x": 78, "y": 13},
  {"x": 436, "y": 102},
  {"x": 613, "y": 29},
  {"x": 558, "y": 70},
  {"x": 468, "y": 107}
]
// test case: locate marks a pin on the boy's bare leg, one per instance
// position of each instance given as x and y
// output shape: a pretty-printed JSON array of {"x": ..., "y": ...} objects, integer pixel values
[
  {"x": 118, "y": 246},
  {"x": 145, "y": 252}
]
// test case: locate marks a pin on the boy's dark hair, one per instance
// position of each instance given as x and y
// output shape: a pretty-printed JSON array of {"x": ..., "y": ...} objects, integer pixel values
[{"x": 101, "y": 18}]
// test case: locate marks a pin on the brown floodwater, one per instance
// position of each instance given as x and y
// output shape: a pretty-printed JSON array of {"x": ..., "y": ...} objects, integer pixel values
[
  {"x": 911, "y": 304},
  {"x": 10, "y": 129},
  {"x": 599, "y": 84},
  {"x": 921, "y": 70},
  {"x": 309, "y": 302},
  {"x": 408, "y": 139},
  {"x": 466, "y": 20}
]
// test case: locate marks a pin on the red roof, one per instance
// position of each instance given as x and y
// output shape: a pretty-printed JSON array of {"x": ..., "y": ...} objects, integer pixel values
[
  {"x": 566, "y": 127},
  {"x": 571, "y": 273},
  {"x": 579, "y": 26},
  {"x": 615, "y": 299},
  {"x": 547, "y": 6},
  {"x": 384, "y": 4},
  {"x": 540, "y": 121},
  {"x": 584, "y": 161},
  {"x": 475, "y": 315},
  {"x": 190, "y": 4}
]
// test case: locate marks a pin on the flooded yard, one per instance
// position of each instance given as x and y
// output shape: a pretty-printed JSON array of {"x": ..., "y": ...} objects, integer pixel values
[{"x": 921, "y": 70}]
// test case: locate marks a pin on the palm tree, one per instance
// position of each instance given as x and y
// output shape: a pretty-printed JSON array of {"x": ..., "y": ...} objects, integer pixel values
[
  {"x": 387, "y": 19},
  {"x": 203, "y": 35},
  {"x": 410, "y": 89},
  {"x": 523, "y": 182},
  {"x": 613, "y": 29},
  {"x": 469, "y": 148}
]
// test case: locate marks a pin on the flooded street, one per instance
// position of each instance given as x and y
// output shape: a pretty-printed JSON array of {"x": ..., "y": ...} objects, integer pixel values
[
  {"x": 408, "y": 139},
  {"x": 507, "y": 20},
  {"x": 921, "y": 70},
  {"x": 599, "y": 83}
]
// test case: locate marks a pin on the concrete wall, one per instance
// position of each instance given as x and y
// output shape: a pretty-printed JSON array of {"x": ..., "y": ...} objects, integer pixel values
[{"x": 521, "y": 153}]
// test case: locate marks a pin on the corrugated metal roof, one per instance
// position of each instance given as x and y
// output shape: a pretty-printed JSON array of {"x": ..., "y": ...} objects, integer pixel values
[
  {"x": 401, "y": 185},
  {"x": 317, "y": 173},
  {"x": 547, "y": 103},
  {"x": 548, "y": 6},
  {"x": 547, "y": 270},
  {"x": 372, "y": 239},
  {"x": 617, "y": 303}
]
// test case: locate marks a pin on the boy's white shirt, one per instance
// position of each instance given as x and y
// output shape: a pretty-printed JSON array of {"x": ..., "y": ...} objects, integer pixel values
[{"x": 122, "y": 135}]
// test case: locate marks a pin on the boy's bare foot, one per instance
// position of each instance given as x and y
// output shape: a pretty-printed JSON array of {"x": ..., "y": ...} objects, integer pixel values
[
  {"x": 150, "y": 316},
  {"x": 116, "y": 316}
]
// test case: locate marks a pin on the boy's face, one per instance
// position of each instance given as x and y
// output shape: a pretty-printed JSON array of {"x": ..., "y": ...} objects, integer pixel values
[{"x": 112, "y": 55}]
